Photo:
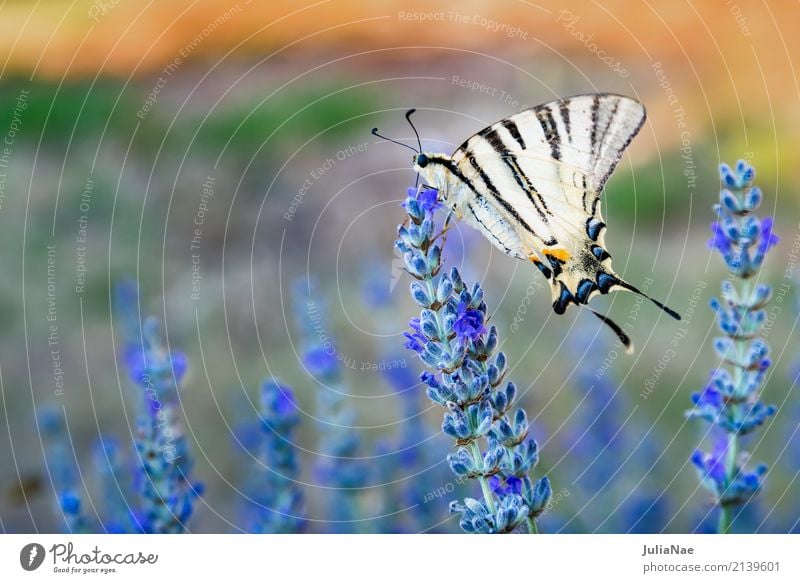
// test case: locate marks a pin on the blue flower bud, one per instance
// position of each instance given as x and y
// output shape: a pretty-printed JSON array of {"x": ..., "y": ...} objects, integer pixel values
[
  {"x": 728, "y": 177},
  {"x": 730, "y": 201},
  {"x": 420, "y": 295},
  {"x": 540, "y": 497},
  {"x": 730, "y": 228},
  {"x": 456, "y": 424},
  {"x": 426, "y": 229},
  {"x": 430, "y": 330},
  {"x": 415, "y": 264},
  {"x": 752, "y": 198},
  {"x": 455, "y": 277},
  {"x": 434, "y": 257},
  {"x": 760, "y": 297},
  {"x": 485, "y": 418},
  {"x": 432, "y": 360},
  {"x": 724, "y": 348},
  {"x": 70, "y": 503},
  {"x": 491, "y": 340},
  {"x": 477, "y": 295},
  {"x": 500, "y": 401},
  {"x": 462, "y": 463},
  {"x": 444, "y": 289},
  {"x": 746, "y": 173},
  {"x": 750, "y": 228},
  {"x": 757, "y": 352},
  {"x": 413, "y": 209}
]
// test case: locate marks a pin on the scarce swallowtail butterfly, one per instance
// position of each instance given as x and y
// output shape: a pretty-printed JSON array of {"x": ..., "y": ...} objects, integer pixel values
[{"x": 531, "y": 183}]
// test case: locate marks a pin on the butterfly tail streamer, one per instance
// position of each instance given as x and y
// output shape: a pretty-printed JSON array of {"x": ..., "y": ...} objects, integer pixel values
[
  {"x": 626, "y": 341},
  {"x": 633, "y": 289}
]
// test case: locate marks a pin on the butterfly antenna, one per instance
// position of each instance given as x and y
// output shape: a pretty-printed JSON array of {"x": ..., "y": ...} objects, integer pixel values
[
  {"x": 416, "y": 133},
  {"x": 626, "y": 341},
  {"x": 375, "y": 133},
  {"x": 669, "y": 311}
]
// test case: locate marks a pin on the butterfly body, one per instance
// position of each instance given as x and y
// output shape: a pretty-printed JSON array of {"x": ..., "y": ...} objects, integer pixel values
[{"x": 531, "y": 183}]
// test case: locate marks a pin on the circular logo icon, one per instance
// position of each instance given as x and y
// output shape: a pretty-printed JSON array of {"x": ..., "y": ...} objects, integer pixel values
[{"x": 31, "y": 556}]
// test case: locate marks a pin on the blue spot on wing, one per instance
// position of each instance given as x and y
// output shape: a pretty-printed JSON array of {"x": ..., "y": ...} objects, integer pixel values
[
  {"x": 593, "y": 228},
  {"x": 560, "y": 305},
  {"x": 605, "y": 281},
  {"x": 600, "y": 253},
  {"x": 585, "y": 287},
  {"x": 544, "y": 269}
]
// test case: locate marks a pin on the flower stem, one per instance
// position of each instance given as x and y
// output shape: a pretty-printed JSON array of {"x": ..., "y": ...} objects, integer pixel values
[
  {"x": 726, "y": 510},
  {"x": 732, "y": 451},
  {"x": 532, "y": 529},
  {"x": 487, "y": 492}
]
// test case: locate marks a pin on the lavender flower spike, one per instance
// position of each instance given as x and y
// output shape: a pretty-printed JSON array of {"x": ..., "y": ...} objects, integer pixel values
[
  {"x": 280, "y": 500},
  {"x": 731, "y": 403},
  {"x": 467, "y": 379},
  {"x": 163, "y": 481}
]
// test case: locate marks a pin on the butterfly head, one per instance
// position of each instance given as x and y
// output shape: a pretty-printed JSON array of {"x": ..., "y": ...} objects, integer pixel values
[{"x": 432, "y": 168}]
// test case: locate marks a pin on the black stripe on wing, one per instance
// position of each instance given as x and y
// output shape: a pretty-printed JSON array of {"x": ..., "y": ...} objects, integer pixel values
[
  {"x": 488, "y": 230},
  {"x": 512, "y": 128},
  {"x": 563, "y": 109},
  {"x": 522, "y": 180},
  {"x": 453, "y": 168},
  {"x": 550, "y": 130},
  {"x": 487, "y": 182}
]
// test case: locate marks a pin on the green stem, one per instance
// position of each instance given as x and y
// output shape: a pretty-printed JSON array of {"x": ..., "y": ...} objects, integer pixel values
[
  {"x": 724, "y": 520},
  {"x": 487, "y": 491},
  {"x": 532, "y": 529},
  {"x": 726, "y": 510},
  {"x": 732, "y": 451}
]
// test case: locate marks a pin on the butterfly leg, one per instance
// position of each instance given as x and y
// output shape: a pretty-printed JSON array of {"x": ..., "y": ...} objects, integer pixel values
[{"x": 449, "y": 223}]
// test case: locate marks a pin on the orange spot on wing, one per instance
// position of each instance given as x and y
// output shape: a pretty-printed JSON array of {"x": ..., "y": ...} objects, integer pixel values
[{"x": 557, "y": 253}]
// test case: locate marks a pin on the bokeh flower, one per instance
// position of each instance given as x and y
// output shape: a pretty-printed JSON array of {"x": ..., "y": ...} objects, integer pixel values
[{"x": 276, "y": 492}]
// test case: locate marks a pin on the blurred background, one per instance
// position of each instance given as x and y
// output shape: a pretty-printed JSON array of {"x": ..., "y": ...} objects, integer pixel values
[{"x": 219, "y": 154}]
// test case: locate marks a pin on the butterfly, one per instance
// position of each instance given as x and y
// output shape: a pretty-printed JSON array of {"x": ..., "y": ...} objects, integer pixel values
[{"x": 531, "y": 183}]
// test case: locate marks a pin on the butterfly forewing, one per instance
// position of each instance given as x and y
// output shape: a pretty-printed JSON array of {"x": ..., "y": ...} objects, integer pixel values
[{"x": 536, "y": 178}]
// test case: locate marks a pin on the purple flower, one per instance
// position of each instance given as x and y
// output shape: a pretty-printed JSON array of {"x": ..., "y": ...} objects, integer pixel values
[
  {"x": 145, "y": 365},
  {"x": 468, "y": 324},
  {"x": 504, "y": 487},
  {"x": 70, "y": 503},
  {"x": 278, "y": 399},
  {"x": 430, "y": 379},
  {"x": 401, "y": 378},
  {"x": 429, "y": 200},
  {"x": 709, "y": 397},
  {"x": 719, "y": 241},
  {"x": 767, "y": 239},
  {"x": 320, "y": 362},
  {"x": 712, "y": 465},
  {"x": 415, "y": 340}
]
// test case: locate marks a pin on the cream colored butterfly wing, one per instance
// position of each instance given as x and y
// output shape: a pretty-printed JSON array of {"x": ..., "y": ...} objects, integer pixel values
[{"x": 537, "y": 177}]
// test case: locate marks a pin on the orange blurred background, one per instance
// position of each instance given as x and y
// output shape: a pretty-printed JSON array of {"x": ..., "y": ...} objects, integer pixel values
[{"x": 735, "y": 59}]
